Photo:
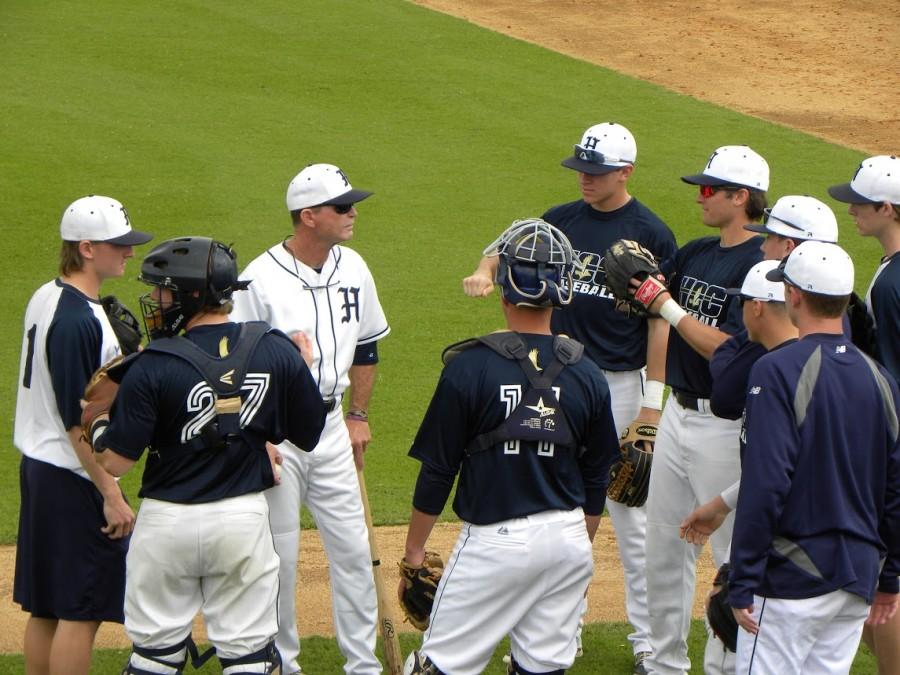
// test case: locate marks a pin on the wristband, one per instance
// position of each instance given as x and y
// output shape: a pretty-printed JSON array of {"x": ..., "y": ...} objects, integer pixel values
[
  {"x": 653, "y": 394},
  {"x": 97, "y": 430},
  {"x": 357, "y": 414},
  {"x": 672, "y": 312}
]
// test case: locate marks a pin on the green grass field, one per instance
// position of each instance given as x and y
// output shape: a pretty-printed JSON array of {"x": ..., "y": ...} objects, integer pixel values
[{"x": 196, "y": 114}]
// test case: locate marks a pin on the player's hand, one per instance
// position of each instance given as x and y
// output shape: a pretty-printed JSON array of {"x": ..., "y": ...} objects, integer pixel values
[
  {"x": 119, "y": 517},
  {"x": 276, "y": 460},
  {"x": 304, "y": 344},
  {"x": 360, "y": 436},
  {"x": 883, "y": 608},
  {"x": 704, "y": 520},
  {"x": 648, "y": 416},
  {"x": 745, "y": 619},
  {"x": 662, "y": 294},
  {"x": 478, "y": 285}
]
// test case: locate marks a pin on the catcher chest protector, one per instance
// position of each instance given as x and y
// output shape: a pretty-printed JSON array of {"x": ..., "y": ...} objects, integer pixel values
[
  {"x": 224, "y": 375},
  {"x": 538, "y": 417}
]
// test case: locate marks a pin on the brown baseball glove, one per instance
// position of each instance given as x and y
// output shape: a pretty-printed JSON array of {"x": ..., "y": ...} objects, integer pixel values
[
  {"x": 421, "y": 585},
  {"x": 629, "y": 476},
  {"x": 99, "y": 395},
  {"x": 626, "y": 260}
]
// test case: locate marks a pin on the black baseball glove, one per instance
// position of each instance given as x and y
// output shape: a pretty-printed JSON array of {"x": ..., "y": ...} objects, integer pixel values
[
  {"x": 718, "y": 611},
  {"x": 862, "y": 327},
  {"x": 124, "y": 324},
  {"x": 421, "y": 585},
  {"x": 629, "y": 476},
  {"x": 626, "y": 260}
]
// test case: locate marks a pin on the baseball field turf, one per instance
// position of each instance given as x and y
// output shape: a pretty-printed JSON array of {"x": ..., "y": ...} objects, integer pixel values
[{"x": 195, "y": 114}]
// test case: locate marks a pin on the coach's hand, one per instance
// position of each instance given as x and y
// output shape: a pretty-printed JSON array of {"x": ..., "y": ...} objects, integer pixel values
[
  {"x": 478, "y": 285},
  {"x": 745, "y": 619},
  {"x": 883, "y": 608},
  {"x": 119, "y": 516},
  {"x": 360, "y": 437},
  {"x": 304, "y": 344}
]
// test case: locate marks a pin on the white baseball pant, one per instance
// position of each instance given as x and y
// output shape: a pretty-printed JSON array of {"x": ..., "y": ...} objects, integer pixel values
[
  {"x": 525, "y": 577},
  {"x": 813, "y": 635},
  {"x": 182, "y": 559},
  {"x": 325, "y": 481},
  {"x": 630, "y": 523},
  {"x": 697, "y": 456}
]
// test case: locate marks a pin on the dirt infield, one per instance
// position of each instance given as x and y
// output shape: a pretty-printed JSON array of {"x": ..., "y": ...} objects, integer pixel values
[
  {"x": 826, "y": 67},
  {"x": 605, "y": 599}
]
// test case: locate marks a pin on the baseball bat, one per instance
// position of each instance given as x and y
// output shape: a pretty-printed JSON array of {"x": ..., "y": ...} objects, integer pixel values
[{"x": 392, "y": 654}]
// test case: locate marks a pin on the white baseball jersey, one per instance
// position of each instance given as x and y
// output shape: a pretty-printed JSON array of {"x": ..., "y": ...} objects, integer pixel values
[
  {"x": 337, "y": 308},
  {"x": 82, "y": 340}
]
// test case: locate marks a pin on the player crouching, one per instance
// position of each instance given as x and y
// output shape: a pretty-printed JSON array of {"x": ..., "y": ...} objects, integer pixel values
[
  {"x": 526, "y": 423},
  {"x": 205, "y": 403}
]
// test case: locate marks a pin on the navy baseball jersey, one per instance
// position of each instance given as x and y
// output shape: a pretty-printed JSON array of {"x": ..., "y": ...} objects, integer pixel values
[
  {"x": 698, "y": 277},
  {"x": 819, "y": 503},
  {"x": 883, "y": 301},
  {"x": 163, "y": 403},
  {"x": 730, "y": 367},
  {"x": 67, "y": 337},
  {"x": 614, "y": 340},
  {"x": 477, "y": 390}
]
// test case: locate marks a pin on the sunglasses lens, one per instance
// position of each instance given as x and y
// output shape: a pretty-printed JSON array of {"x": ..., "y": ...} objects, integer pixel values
[
  {"x": 707, "y": 191},
  {"x": 342, "y": 208}
]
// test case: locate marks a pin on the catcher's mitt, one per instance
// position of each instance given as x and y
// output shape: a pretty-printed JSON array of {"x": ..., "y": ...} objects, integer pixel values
[
  {"x": 626, "y": 260},
  {"x": 99, "y": 395},
  {"x": 718, "y": 610},
  {"x": 629, "y": 476},
  {"x": 124, "y": 324},
  {"x": 421, "y": 584}
]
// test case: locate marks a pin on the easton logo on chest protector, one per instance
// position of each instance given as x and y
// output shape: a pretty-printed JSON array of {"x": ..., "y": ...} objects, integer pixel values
[{"x": 538, "y": 416}]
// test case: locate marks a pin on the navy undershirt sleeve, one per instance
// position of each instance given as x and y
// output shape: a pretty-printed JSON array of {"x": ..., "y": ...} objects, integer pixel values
[
  {"x": 366, "y": 355},
  {"x": 73, "y": 354},
  {"x": 432, "y": 490}
]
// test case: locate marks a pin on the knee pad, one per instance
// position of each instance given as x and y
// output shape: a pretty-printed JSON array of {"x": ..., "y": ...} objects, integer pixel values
[
  {"x": 265, "y": 660},
  {"x": 515, "y": 669},
  {"x": 163, "y": 660},
  {"x": 416, "y": 664}
]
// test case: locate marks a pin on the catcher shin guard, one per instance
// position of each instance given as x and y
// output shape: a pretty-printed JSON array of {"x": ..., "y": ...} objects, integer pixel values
[
  {"x": 159, "y": 661},
  {"x": 265, "y": 660},
  {"x": 416, "y": 664},
  {"x": 515, "y": 669}
]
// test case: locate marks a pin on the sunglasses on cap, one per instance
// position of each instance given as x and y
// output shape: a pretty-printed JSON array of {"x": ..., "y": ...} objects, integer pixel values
[
  {"x": 767, "y": 215},
  {"x": 595, "y": 156}
]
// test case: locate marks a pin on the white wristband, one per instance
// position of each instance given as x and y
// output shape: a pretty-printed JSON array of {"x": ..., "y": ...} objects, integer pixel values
[
  {"x": 672, "y": 312},
  {"x": 653, "y": 394}
]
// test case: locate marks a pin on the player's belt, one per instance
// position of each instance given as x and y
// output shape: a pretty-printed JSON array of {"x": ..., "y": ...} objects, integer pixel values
[{"x": 688, "y": 401}]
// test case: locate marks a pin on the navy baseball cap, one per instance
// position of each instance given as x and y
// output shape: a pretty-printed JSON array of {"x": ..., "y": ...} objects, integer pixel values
[{"x": 604, "y": 148}]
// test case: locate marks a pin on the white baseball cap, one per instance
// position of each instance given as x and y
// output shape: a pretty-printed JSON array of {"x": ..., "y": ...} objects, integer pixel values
[
  {"x": 799, "y": 217},
  {"x": 321, "y": 184},
  {"x": 98, "y": 218},
  {"x": 737, "y": 165},
  {"x": 816, "y": 267},
  {"x": 757, "y": 287},
  {"x": 877, "y": 180},
  {"x": 604, "y": 148}
]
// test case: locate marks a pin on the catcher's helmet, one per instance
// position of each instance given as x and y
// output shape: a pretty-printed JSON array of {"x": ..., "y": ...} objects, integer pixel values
[
  {"x": 536, "y": 262},
  {"x": 200, "y": 272}
]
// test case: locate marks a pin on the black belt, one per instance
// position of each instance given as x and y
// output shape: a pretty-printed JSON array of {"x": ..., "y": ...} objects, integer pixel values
[{"x": 687, "y": 401}]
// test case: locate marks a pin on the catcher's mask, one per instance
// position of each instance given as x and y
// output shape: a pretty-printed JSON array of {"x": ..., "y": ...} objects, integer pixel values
[
  {"x": 199, "y": 272},
  {"x": 536, "y": 262}
]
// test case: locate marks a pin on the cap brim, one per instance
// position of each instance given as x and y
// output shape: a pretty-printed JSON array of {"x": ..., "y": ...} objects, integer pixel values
[
  {"x": 757, "y": 227},
  {"x": 133, "y": 238},
  {"x": 844, "y": 193},
  {"x": 351, "y": 197},
  {"x": 776, "y": 275},
  {"x": 733, "y": 291},
  {"x": 703, "y": 179},
  {"x": 589, "y": 167}
]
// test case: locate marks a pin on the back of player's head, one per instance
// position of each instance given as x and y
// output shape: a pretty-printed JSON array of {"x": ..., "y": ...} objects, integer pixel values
[
  {"x": 200, "y": 273},
  {"x": 536, "y": 261}
]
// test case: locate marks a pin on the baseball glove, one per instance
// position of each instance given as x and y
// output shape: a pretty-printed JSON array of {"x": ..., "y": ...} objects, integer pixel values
[
  {"x": 718, "y": 610},
  {"x": 626, "y": 260},
  {"x": 629, "y": 476},
  {"x": 99, "y": 395},
  {"x": 421, "y": 584},
  {"x": 124, "y": 324},
  {"x": 862, "y": 327}
]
